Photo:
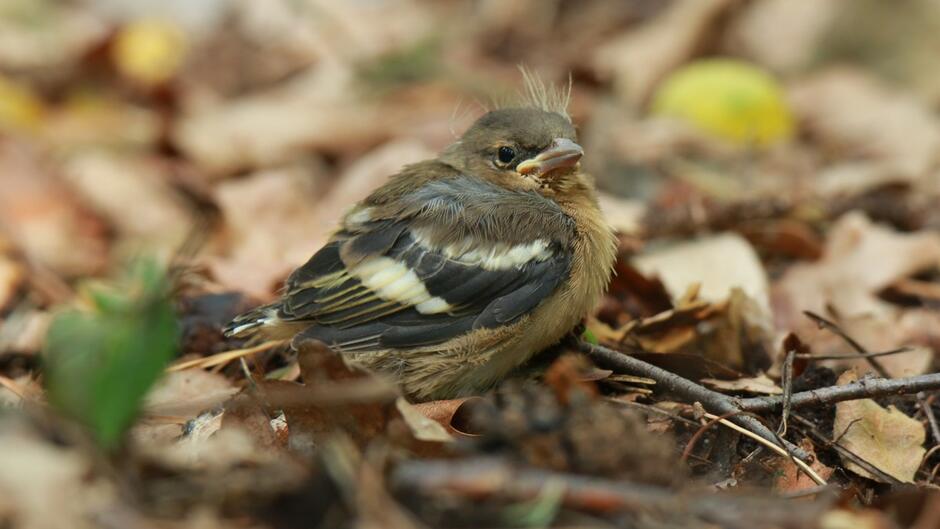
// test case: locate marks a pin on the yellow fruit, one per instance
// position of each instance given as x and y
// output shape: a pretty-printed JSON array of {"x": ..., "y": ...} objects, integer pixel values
[
  {"x": 149, "y": 51},
  {"x": 20, "y": 109},
  {"x": 727, "y": 98}
]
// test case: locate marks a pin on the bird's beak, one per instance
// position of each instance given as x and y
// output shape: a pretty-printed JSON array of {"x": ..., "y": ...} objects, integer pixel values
[{"x": 562, "y": 154}]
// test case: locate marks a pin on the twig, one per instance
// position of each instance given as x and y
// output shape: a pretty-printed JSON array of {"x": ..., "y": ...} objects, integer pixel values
[
  {"x": 864, "y": 388},
  {"x": 714, "y": 419},
  {"x": 223, "y": 358},
  {"x": 13, "y": 387},
  {"x": 926, "y": 405},
  {"x": 478, "y": 478},
  {"x": 711, "y": 400},
  {"x": 823, "y": 323},
  {"x": 812, "y": 357},
  {"x": 787, "y": 390},
  {"x": 803, "y": 466},
  {"x": 653, "y": 409}
]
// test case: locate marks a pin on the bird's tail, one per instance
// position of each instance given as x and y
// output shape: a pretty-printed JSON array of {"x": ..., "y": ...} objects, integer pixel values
[{"x": 251, "y": 322}]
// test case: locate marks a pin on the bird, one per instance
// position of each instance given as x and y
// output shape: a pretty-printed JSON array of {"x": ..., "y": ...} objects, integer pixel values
[{"x": 459, "y": 268}]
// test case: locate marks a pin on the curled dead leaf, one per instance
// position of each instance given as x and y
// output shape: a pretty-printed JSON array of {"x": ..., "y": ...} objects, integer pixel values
[{"x": 455, "y": 415}]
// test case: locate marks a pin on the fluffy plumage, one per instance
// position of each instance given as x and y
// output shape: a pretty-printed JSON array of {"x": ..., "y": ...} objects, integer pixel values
[{"x": 460, "y": 268}]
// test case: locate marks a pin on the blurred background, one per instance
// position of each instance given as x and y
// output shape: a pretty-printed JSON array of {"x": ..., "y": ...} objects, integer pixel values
[
  {"x": 760, "y": 157},
  {"x": 122, "y": 122},
  {"x": 127, "y": 127}
]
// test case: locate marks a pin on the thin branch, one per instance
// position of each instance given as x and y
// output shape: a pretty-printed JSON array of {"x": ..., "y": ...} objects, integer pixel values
[
  {"x": 926, "y": 405},
  {"x": 864, "y": 388},
  {"x": 787, "y": 390},
  {"x": 223, "y": 358},
  {"x": 854, "y": 356},
  {"x": 823, "y": 323},
  {"x": 772, "y": 446},
  {"x": 479, "y": 478},
  {"x": 711, "y": 400}
]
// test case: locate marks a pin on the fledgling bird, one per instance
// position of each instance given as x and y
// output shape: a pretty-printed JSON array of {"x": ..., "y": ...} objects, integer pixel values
[{"x": 460, "y": 268}]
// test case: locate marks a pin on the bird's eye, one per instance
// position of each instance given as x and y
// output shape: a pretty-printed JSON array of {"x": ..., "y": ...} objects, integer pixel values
[{"x": 505, "y": 155}]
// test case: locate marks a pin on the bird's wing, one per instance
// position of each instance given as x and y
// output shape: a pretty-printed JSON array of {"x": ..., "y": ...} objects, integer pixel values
[{"x": 388, "y": 286}]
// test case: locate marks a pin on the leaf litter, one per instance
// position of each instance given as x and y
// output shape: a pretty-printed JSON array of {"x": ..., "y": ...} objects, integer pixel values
[{"x": 215, "y": 146}]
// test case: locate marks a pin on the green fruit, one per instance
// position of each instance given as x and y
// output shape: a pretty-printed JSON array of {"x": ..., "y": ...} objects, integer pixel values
[{"x": 729, "y": 99}]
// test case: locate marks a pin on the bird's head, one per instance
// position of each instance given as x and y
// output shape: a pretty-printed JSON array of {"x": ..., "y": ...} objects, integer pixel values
[{"x": 523, "y": 148}]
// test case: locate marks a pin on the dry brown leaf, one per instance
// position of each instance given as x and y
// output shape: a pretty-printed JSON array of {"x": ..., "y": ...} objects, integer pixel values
[
  {"x": 47, "y": 37},
  {"x": 177, "y": 398},
  {"x": 758, "y": 31},
  {"x": 272, "y": 227},
  {"x": 624, "y": 215},
  {"x": 423, "y": 427},
  {"x": 895, "y": 129},
  {"x": 637, "y": 60},
  {"x": 338, "y": 398},
  {"x": 916, "y": 329},
  {"x": 863, "y": 519},
  {"x": 44, "y": 219},
  {"x": 886, "y": 438},
  {"x": 317, "y": 110},
  {"x": 761, "y": 385},
  {"x": 718, "y": 263},
  {"x": 100, "y": 121},
  {"x": 790, "y": 479},
  {"x": 367, "y": 173},
  {"x": 846, "y": 277},
  {"x": 36, "y": 473},
  {"x": 12, "y": 276},
  {"x": 453, "y": 414},
  {"x": 133, "y": 194}
]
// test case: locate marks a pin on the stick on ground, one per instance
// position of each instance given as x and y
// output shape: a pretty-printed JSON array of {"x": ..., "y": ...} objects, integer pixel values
[{"x": 713, "y": 401}]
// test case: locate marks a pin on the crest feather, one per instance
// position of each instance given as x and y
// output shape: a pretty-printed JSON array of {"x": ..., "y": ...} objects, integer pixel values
[
  {"x": 545, "y": 96},
  {"x": 538, "y": 94}
]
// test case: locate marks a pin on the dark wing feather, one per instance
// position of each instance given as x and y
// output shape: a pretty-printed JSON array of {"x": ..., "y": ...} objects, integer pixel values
[{"x": 347, "y": 314}]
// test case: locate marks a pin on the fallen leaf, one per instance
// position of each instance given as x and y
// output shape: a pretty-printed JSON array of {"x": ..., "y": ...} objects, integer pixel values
[
  {"x": 44, "y": 219},
  {"x": 790, "y": 479},
  {"x": 363, "y": 176},
  {"x": 338, "y": 398},
  {"x": 98, "y": 121},
  {"x": 895, "y": 129},
  {"x": 916, "y": 329},
  {"x": 272, "y": 227},
  {"x": 423, "y": 427},
  {"x": 24, "y": 331},
  {"x": 886, "y": 438},
  {"x": 46, "y": 36},
  {"x": 112, "y": 184},
  {"x": 719, "y": 263},
  {"x": 638, "y": 59},
  {"x": 59, "y": 474},
  {"x": 624, "y": 215},
  {"x": 315, "y": 110},
  {"x": 861, "y": 519},
  {"x": 761, "y": 385},
  {"x": 188, "y": 393},
  {"x": 12, "y": 277},
  {"x": 455, "y": 415},
  {"x": 845, "y": 278},
  {"x": 799, "y": 23}
]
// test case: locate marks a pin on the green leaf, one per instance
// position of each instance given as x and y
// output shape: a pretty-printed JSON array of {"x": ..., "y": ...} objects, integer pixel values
[
  {"x": 99, "y": 365},
  {"x": 539, "y": 511},
  {"x": 590, "y": 337}
]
